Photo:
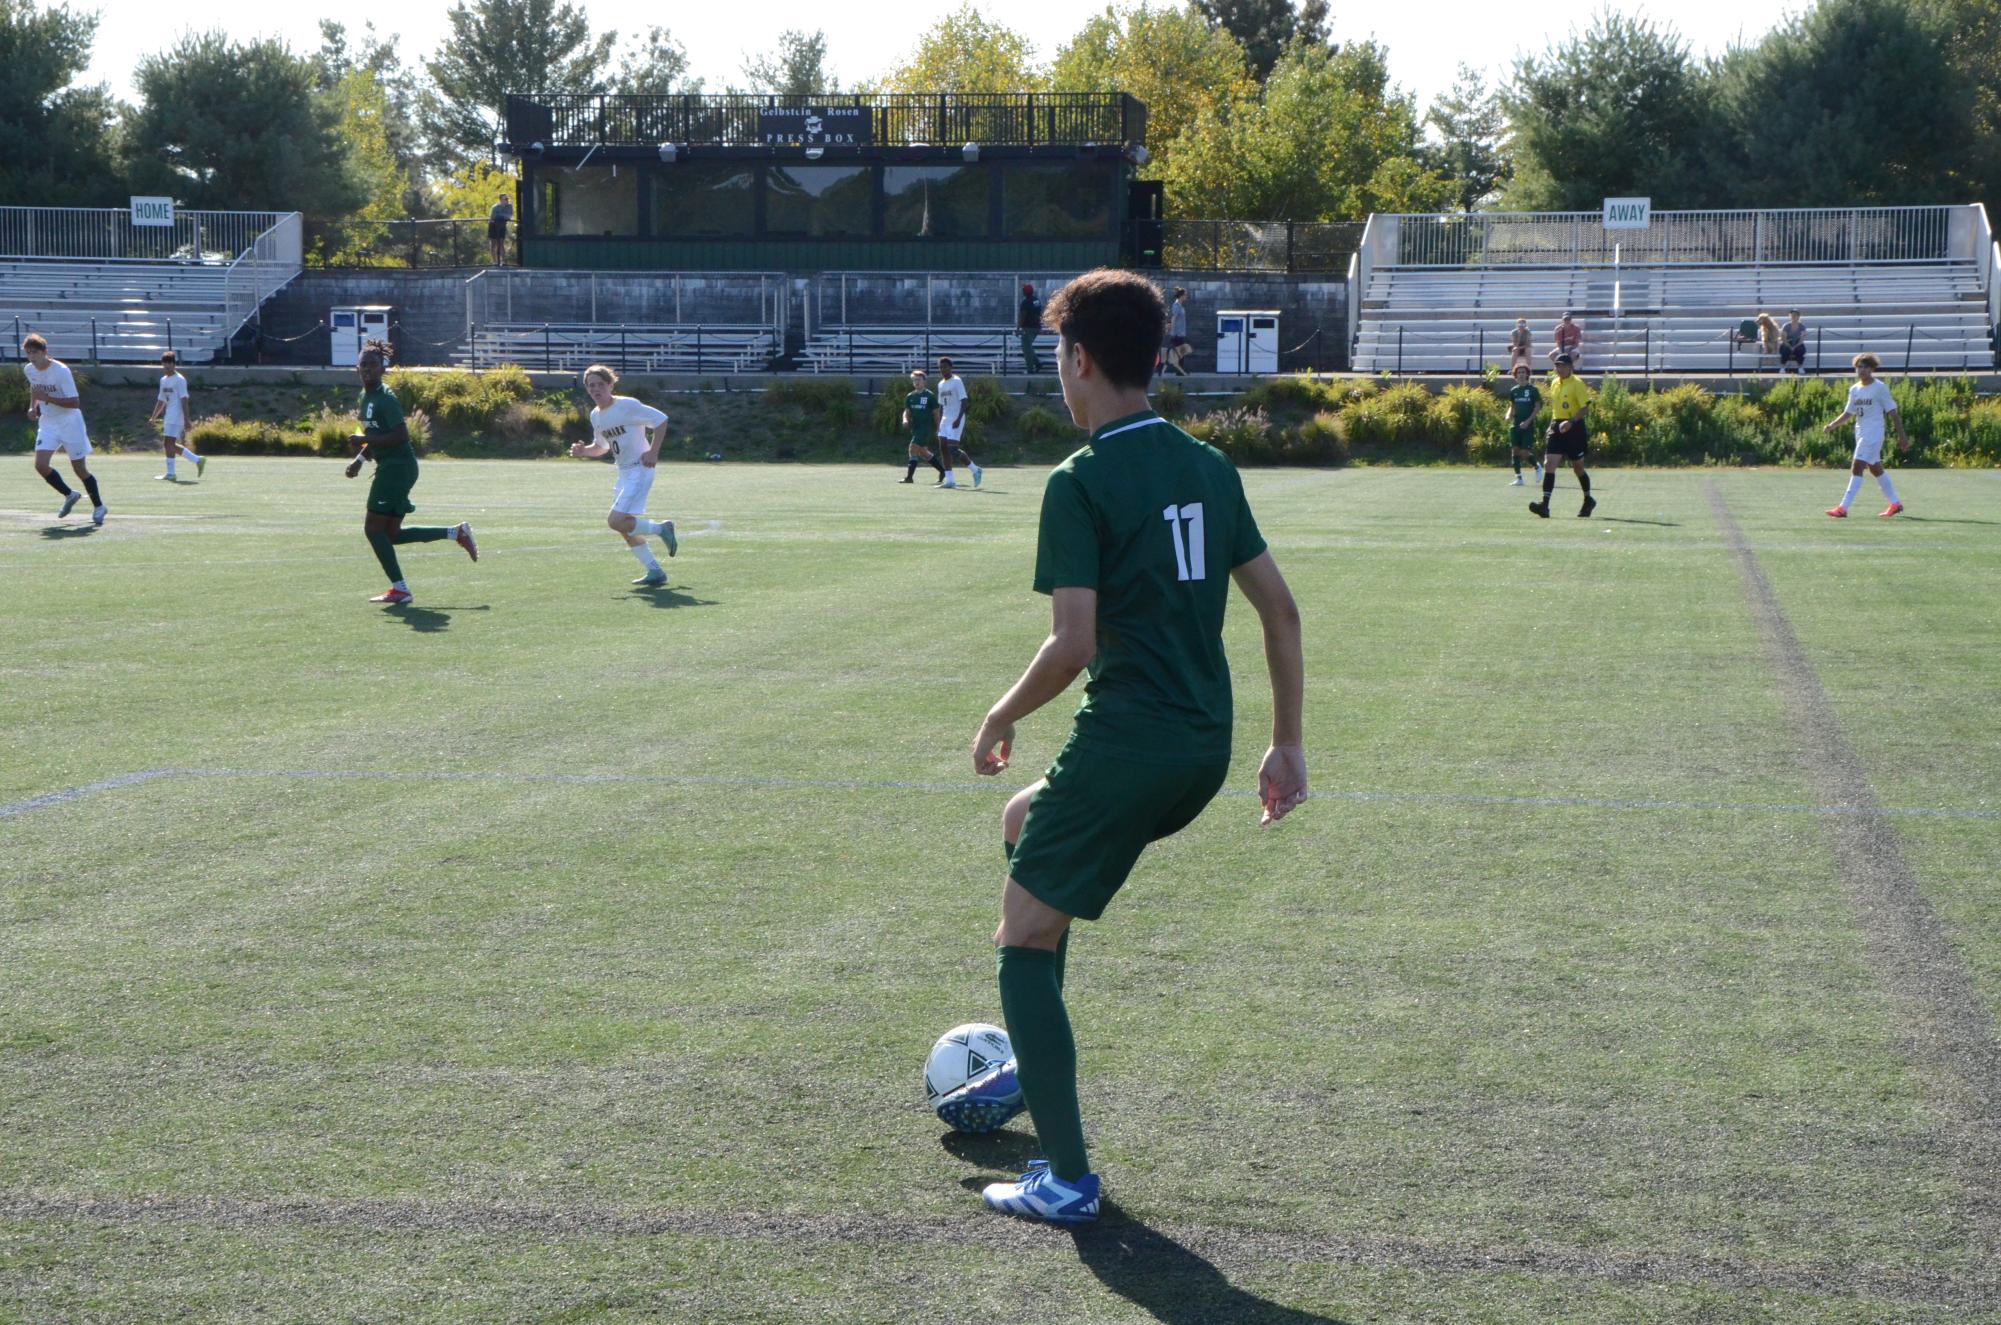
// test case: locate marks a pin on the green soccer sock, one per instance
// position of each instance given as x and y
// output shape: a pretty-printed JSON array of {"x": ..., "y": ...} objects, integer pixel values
[
  {"x": 422, "y": 534},
  {"x": 385, "y": 552},
  {"x": 1031, "y": 990}
]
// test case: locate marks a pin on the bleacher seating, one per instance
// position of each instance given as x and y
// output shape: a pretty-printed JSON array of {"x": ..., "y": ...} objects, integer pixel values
[
  {"x": 893, "y": 349},
  {"x": 708, "y": 348},
  {"x": 118, "y": 311},
  {"x": 1920, "y": 315}
]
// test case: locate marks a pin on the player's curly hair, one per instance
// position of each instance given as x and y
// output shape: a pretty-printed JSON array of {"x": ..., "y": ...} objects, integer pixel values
[
  {"x": 1117, "y": 316},
  {"x": 603, "y": 370},
  {"x": 1866, "y": 360},
  {"x": 379, "y": 349}
]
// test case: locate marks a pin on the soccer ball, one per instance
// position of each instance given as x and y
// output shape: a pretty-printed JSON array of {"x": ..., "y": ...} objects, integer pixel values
[{"x": 961, "y": 1054}]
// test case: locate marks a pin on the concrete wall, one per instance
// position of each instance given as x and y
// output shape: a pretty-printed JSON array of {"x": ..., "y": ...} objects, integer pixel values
[{"x": 430, "y": 306}]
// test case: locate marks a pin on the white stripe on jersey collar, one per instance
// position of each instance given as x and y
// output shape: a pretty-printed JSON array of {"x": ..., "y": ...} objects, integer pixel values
[{"x": 1151, "y": 417}]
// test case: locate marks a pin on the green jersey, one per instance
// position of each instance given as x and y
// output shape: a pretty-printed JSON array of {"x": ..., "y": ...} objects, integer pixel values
[
  {"x": 923, "y": 407},
  {"x": 1525, "y": 399},
  {"x": 382, "y": 415},
  {"x": 1155, "y": 522}
]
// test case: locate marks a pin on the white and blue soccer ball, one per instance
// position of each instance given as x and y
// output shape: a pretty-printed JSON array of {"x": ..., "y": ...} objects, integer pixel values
[{"x": 961, "y": 1054}]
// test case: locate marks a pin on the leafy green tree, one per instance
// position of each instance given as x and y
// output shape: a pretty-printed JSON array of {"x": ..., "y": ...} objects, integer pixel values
[
  {"x": 1472, "y": 146},
  {"x": 501, "y": 46},
  {"x": 1852, "y": 102},
  {"x": 1170, "y": 59},
  {"x": 1618, "y": 109},
  {"x": 379, "y": 57},
  {"x": 796, "y": 67},
  {"x": 56, "y": 141},
  {"x": 656, "y": 65},
  {"x": 1330, "y": 140},
  {"x": 1973, "y": 49},
  {"x": 966, "y": 52},
  {"x": 1264, "y": 28},
  {"x": 226, "y": 125}
]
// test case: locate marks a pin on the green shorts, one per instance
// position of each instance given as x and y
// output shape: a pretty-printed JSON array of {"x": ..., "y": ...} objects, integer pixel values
[
  {"x": 1521, "y": 436},
  {"x": 1095, "y": 814},
  {"x": 389, "y": 490}
]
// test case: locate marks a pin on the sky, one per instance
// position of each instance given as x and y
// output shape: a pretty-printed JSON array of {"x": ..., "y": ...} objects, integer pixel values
[{"x": 1427, "y": 42}]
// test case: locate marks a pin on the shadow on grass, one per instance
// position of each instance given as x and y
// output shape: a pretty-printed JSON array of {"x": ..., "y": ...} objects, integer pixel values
[
  {"x": 662, "y": 595},
  {"x": 1621, "y": 519},
  {"x": 62, "y": 531},
  {"x": 1939, "y": 519},
  {"x": 428, "y": 620},
  {"x": 1006, "y": 1151},
  {"x": 1171, "y": 1283}
]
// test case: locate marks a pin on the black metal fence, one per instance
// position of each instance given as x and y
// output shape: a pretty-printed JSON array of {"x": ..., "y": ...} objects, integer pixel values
[
  {"x": 457, "y": 242},
  {"x": 1276, "y": 246},
  {"x": 996, "y": 119}
]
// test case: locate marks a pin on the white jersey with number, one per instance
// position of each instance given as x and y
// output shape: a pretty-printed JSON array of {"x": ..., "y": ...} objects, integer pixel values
[
  {"x": 951, "y": 399},
  {"x": 174, "y": 394},
  {"x": 59, "y": 423},
  {"x": 1870, "y": 407},
  {"x": 622, "y": 426}
]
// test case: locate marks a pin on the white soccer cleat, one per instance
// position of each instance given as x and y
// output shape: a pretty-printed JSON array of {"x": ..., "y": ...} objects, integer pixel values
[
  {"x": 97, "y": 515},
  {"x": 1517, "y": 483}
]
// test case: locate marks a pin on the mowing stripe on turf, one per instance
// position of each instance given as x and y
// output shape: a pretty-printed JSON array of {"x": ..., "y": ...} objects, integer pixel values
[
  {"x": 885, "y": 784},
  {"x": 1164, "y": 1249},
  {"x": 1944, "y": 1021}
]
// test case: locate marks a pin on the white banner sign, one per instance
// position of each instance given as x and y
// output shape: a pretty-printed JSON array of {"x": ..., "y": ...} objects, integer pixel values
[
  {"x": 1628, "y": 213},
  {"x": 152, "y": 211}
]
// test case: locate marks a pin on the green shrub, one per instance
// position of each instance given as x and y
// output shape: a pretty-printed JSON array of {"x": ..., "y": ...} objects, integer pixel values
[
  {"x": 461, "y": 402},
  {"x": 888, "y": 410},
  {"x": 1975, "y": 442},
  {"x": 1170, "y": 400},
  {"x": 1302, "y": 392},
  {"x": 219, "y": 434},
  {"x": 1243, "y": 434},
  {"x": 1038, "y": 424},
  {"x": 1396, "y": 416},
  {"x": 830, "y": 399},
  {"x": 1316, "y": 441},
  {"x": 418, "y": 423},
  {"x": 987, "y": 400},
  {"x": 332, "y": 433},
  {"x": 1463, "y": 417},
  {"x": 526, "y": 421},
  {"x": 13, "y": 392}
]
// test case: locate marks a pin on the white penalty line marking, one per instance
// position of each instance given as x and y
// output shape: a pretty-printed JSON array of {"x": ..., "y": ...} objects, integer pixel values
[{"x": 882, "y": 784}]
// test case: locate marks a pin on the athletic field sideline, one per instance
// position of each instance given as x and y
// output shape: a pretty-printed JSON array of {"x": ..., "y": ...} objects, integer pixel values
[{"x": 553, "y": 950}]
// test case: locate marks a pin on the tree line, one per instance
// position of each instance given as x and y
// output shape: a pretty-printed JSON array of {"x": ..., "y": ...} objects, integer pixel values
[{"x": 1254, "y": 111}]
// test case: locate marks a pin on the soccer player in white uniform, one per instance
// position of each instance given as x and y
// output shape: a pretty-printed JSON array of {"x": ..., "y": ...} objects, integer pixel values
[
  {"x": 57, "y": 410},
  {"x": 171, "y": 409},
  {"x": 630, "y": 431},
  {"x": 1869, "y": 405},
  {"x": 952, "y": 424}
]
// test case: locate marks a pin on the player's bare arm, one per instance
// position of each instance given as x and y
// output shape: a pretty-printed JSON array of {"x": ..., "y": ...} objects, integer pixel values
[
  {"x": 655, "y": 437},
  {"x": 369, "y": 441},
  {"x": 1282, "y": 773},
  {"x": 1844, "y": 417},
  {"x": 1072, "y": 643},
  {"x": 589, "y": 450},
  {"x": 1903, "y": 440}
]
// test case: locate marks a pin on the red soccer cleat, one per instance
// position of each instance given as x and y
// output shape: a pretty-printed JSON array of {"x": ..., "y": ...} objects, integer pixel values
[
  {"x": 1891, "y": 509},
  {"x": 1838, "y": 512},
  {"x": 463, "y": 537},
  {"x": 393, "y": 598}
]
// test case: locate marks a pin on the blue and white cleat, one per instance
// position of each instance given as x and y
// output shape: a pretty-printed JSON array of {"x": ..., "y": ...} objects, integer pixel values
[
  {"x": 69, "y": 503},
  {"x": 652, "y": 579},
  {"x": 1040, "y": 1194},
  {"x": 984, "y": 1104},
  {"x": 667, "y": 537}
]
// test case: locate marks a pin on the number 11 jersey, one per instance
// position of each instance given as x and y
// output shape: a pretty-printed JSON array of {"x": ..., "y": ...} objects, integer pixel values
[{"x": 1154, "y": 521}]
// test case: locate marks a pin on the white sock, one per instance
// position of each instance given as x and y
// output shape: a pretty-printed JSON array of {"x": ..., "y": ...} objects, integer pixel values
[
  {"x": 645, "y": 526},
  {"x": 170, "y": 466},
  {"x": 1854, "y": 486},
  {"x": 1883, "y": 482},
  {"x": 645, "y": 555},
  {"x": 400, "y": 585},
  {"x": 189, "y": 454}
]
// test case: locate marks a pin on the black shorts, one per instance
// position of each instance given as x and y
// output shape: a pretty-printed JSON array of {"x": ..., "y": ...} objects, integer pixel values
[
  {"x": 1570, "y": 445},
  {"x": 496, "y": 229}
]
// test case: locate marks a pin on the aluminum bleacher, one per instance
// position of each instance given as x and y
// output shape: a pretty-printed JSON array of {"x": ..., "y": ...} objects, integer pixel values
[
  {"x": 1921, "y": 293},
  {"x": 101, "y": 289},
  {"x": 891, "y": 322},
  {"x": 639, "y": 321}
]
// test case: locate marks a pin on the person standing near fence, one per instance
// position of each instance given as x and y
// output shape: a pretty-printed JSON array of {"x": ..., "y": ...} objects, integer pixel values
[
  {"x": 496, "y": 228},
  {"x": 57, "y": 409},
  {"x": 1178, "y": 347},
  {"x": 1027, "y": 326},
  {"x": 171, "y": 409}
]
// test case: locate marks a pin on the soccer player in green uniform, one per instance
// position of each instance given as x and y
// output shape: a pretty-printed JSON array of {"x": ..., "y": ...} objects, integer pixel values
[
  {"x": 385, "y": 439},
  {"x": 1141, "y": 532},
  {"x": 1524, "y": 403},
  {"x": 920, "y": 415}
]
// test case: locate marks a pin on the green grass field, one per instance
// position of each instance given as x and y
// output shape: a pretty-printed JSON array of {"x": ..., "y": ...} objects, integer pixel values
[{"x": 549, "y": 951}]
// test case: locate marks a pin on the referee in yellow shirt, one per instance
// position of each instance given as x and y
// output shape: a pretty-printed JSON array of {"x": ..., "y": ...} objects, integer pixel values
[{"x": 1567, "y": 400}]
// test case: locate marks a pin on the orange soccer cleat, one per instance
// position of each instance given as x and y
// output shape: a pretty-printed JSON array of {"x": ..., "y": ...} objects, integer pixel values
[
  {"x": 1838, "y": 512},
  {"x": 1891, "y": 509}
]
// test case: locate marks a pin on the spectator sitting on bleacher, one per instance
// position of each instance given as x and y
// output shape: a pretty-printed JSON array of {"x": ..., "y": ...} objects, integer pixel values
[
  {"x": 1518, "y": 344},
  {"x": 1570, "y": 341},
  {"x": 1792, "y": 343}
]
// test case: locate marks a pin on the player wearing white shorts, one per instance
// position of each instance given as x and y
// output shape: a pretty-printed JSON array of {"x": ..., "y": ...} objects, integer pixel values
[
  {"x": 952, "y": 424},
  {"x": 57, "y": 410},
  {"x": 1870, "y": 406},
  {"x": 630, "y": 431},
  {"x": 171, "y": 410}
]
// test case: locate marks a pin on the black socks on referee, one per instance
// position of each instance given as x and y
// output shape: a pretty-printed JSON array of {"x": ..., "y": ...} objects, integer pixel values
[
  {"x": 55, "y": 481},
  {"x": 1548, "y": 482}
]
